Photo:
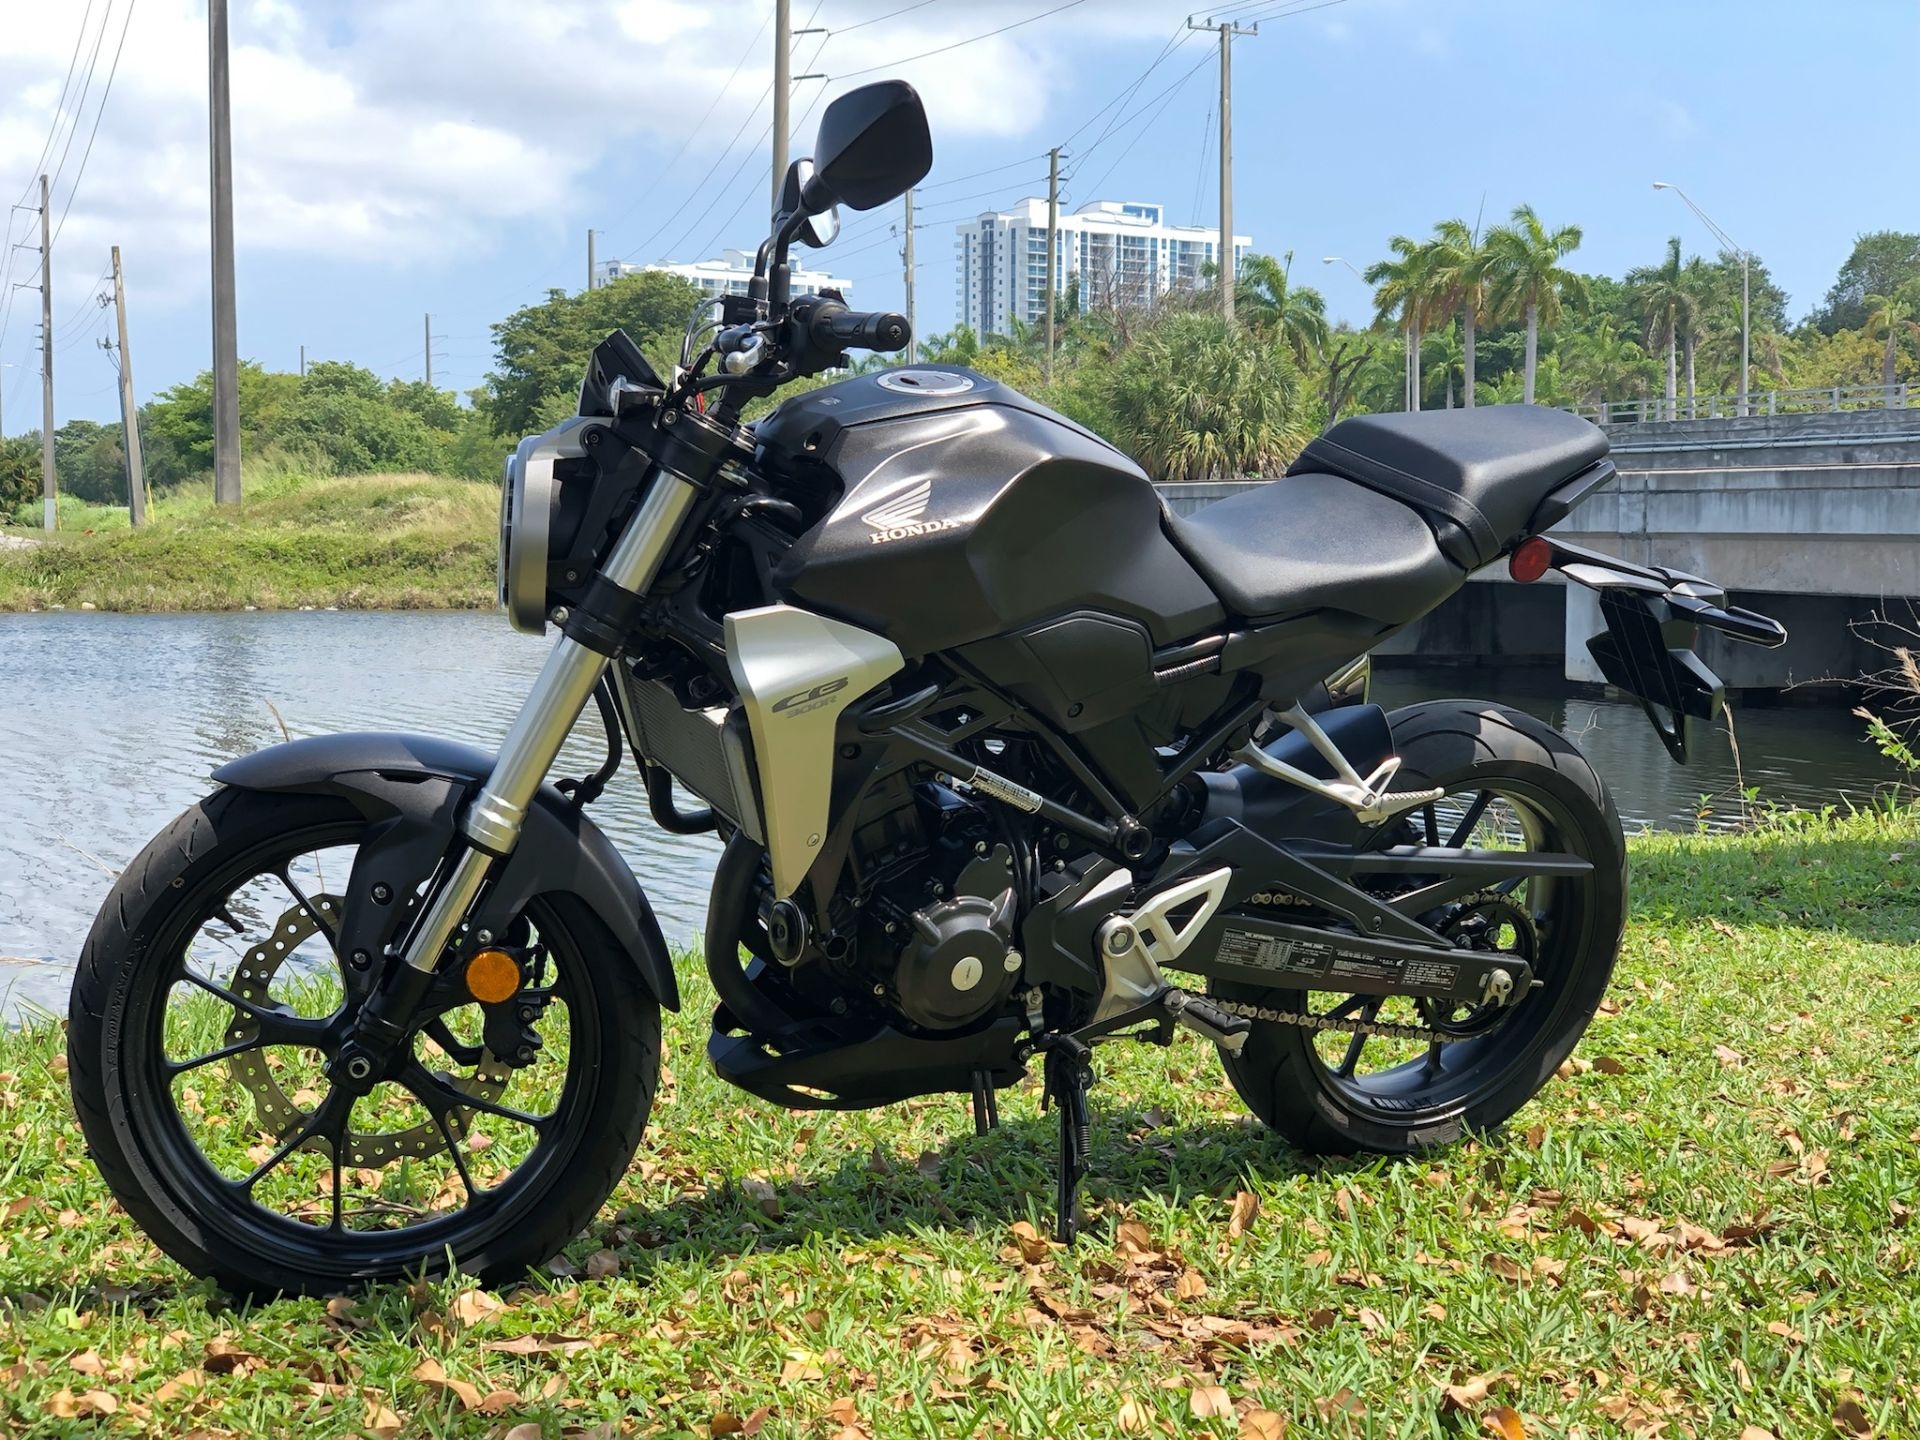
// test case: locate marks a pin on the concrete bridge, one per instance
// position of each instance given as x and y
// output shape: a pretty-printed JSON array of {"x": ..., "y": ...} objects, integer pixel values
[{"x": 1811, "y": 518}]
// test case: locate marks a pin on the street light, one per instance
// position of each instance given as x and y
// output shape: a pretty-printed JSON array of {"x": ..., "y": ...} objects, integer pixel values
[
  {"x": 1406, "y": 379},
  {"x": 1746, "y": 283}
]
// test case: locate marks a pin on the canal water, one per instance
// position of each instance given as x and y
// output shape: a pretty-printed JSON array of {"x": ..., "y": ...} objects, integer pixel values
[{"x": 109, "y": 725}]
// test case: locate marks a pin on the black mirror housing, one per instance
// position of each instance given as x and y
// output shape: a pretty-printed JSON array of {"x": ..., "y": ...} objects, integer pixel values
[{"x": 873, "y": 147}]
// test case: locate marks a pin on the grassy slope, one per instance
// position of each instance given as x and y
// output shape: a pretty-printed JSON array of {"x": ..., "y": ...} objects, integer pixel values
[
  {"x": 1703, "y": 1228},
  {"x": 358, "y": 542}
]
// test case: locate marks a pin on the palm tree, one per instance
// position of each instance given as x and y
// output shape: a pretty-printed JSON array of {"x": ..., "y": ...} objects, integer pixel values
[
  {"x": 1528, "y": 282},
  {"x": 1605, "y": 364},
  {"x": 1671, "y": 310},
  {"x": 1893, "y": 313},
  {"x": 1445, "y": 352},
  {"x": 1404, "y": 291},
  {"x": 1275, "y": 306},
  {"x": 1462, "y": 266}
]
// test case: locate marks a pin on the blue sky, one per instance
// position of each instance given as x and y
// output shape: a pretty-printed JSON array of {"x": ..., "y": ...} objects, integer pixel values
[{"x": 391, "y": 164}]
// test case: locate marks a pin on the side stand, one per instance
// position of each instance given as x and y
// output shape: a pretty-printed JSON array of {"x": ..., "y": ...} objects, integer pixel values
[
  {"x": 986, "y": 1108},
  {"x": 1069, "y": 1073}
]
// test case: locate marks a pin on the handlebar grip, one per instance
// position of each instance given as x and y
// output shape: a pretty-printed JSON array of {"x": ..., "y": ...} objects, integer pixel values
[{"x": 834, "y": 324}]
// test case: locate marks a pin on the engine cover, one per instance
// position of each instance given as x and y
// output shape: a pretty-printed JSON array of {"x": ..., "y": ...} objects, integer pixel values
[{"x": 957, "y": 964}]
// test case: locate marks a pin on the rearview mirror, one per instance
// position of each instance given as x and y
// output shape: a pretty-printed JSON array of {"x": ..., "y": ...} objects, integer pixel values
[
  {"x": 873, "y": 147},
  {"x": 816, "y": 229}
]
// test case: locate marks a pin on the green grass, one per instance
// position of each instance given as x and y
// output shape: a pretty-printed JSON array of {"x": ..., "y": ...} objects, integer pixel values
[
  {"x": 357, "y": 542},
  {"x": 1702, "y": 1225}
]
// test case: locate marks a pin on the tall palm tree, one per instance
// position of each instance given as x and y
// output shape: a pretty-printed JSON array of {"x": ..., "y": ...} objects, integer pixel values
[
  {"x": 1462, "y": 266},
  {"x": 1605, "y": 364},
  {"x": 1893, "y": 313},
  {"x": 1404, "y": 291},
  {"x": 1273, "y": 305},
  {"x": 1528, "y": 282},
  {"x": 1444, "y": 352},
  {"x": 1671, "y": 309}
]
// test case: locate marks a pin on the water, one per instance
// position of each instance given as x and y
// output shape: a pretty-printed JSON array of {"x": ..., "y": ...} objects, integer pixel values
[{"x": 111, "y": 724}]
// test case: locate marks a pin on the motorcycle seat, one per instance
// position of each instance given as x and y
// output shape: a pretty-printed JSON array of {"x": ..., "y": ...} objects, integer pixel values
[
  {"x": 1317, "y": 542},
  {"x": 1476, "y": 475}
]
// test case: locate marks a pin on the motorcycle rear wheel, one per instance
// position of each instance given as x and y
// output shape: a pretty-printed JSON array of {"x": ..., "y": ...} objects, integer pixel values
[
  {"x": 1510, "y": 781},
  {"x": 199, "y": 1111}
]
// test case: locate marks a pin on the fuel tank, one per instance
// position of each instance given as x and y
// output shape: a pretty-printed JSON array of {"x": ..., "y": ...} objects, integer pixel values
[{"x": 966, "y": 510}]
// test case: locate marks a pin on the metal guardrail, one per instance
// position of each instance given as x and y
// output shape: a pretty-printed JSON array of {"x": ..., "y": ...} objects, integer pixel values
[{"x": 1759, "y": 403}]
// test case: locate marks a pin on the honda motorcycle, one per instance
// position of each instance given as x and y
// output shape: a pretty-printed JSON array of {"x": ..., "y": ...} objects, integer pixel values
[{"x": 1007, "y": 760}]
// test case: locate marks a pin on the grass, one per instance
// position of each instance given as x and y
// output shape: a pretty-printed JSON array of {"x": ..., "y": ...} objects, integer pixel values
[
  {"x": 1702, "y": 1225},
  {"x": 356, "y": 542}
]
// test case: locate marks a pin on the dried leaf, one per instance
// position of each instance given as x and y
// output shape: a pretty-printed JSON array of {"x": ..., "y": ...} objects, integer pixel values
[
  {"x": 1191, "y": 1285},
  {"x": 383, "y": 1422},
  {"x": 1468, "y": 1394},
  {"x": 470, "y": 1307},
  {"x": 1504, "y": 1421},
  {"x": 1755, "y": 1432},
  {"x": 602, "y": 1265},
  {"x": 1342, "y": 1402},
  {"x": 1207, "y": 1401},
  {"x": 1132, "y": 1417},
  {"x": 539, "y": 1343},
  {"x": 724, "y": 1424},
  {"x": 1847, "y": 1415},
  {"x": 1728, "y": 1056},
  {"x": 1246, "y": 1209},
  {"x": 1130, "y": 1237},
  {"x": 1033, "y": 1246},
  {"x": 1263, "y": 1425},
  {"x": 764, "y": 1197},
  {"x": 525, "y": 1430},
  {"x": 429, "y": 1373},
  {"x": 87, "y": 1405},
  {"x": 801, "y": 1364},
  {"x": 179, "y": 1385},
  {"x": 1606, "y": 1065},
  {"x": 1675, "y": 1282}
]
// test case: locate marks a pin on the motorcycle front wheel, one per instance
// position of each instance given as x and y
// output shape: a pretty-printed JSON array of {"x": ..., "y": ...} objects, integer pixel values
[
  {"x": 208, "y": 1002},
  {"x": 1399, "y": 1075}
]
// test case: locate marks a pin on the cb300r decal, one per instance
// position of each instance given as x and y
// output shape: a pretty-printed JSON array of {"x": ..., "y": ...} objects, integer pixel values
[{"x": 802, "y": 701}]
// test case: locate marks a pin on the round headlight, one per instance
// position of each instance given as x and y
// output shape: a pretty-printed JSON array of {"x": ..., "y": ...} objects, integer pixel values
[{"x": 528, "y": 497}]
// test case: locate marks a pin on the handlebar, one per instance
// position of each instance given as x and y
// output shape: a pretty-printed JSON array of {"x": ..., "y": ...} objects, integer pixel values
[{"x": 830, "y": 324}]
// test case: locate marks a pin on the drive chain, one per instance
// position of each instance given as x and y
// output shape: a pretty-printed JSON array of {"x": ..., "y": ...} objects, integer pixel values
[{"x": 1351, "y": 1025}]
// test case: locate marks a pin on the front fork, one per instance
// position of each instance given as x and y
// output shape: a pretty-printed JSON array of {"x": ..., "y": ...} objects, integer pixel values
[{"x": 490, "y": 825}]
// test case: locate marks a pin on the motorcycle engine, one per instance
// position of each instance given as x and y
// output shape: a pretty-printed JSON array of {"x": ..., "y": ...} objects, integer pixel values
[{"x": 939, "y": 931}]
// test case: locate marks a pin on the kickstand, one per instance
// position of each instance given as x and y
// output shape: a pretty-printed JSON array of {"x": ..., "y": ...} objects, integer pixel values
[
  {"x": 1069, "y": 1072},
  {"x": 986, "y": 1106}
]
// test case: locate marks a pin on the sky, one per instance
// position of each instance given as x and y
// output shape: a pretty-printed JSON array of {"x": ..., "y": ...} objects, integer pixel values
[{"x": 398, "y": 158}]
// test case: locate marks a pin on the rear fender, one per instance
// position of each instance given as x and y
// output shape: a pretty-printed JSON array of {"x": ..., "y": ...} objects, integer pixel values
[{"x": 412, "y": 787}]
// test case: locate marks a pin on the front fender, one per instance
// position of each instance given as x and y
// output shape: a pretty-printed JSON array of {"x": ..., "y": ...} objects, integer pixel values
[{"x": 412, "y": 787}]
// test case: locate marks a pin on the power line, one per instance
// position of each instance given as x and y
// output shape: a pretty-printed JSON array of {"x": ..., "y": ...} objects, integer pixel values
[
  {"x": 1200, "y": 174},
  {"x": 958, "y": 44},
  {"x": 722, "y": 230},
  {"x": 1163, "y": 98},
  {"x": 86, "y": 84},
  {"x": 105, "y": 95},
  {"x": 849, "y": 29},
  {"x": 59, "y": 106}
]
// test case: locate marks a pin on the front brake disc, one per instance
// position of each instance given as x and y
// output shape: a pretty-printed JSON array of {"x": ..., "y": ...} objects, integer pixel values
[{"x": 278, "y": 1112}]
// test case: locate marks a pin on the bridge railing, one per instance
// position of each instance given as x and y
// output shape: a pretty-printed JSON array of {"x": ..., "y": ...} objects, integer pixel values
[{"x": 1759, "y": 403}]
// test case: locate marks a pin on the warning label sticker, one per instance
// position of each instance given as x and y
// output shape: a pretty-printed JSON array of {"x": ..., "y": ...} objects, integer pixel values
[{"x": 1299, "y": 959}]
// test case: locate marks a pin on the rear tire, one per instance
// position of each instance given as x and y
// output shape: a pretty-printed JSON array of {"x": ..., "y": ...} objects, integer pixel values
[
  {"x": 1466, "y": 747},
  {"x": 139, "y": 1136}
]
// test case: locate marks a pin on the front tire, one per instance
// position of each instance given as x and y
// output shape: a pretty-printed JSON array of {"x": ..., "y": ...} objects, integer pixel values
[
  {"x": 199, "y": 1133},
  {"x": 1289, "y": 1075}
]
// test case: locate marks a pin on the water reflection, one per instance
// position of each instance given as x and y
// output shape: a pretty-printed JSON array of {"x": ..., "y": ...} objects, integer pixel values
[{"x": 110, "y": 725}]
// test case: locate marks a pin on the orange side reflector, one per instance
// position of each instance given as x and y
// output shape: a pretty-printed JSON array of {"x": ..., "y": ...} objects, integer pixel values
[
  {"x": 492, "y": 976},
  {"x": 1530, "y": 560}
]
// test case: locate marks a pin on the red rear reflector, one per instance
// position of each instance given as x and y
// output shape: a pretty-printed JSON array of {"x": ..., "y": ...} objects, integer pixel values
[{"x": 1530, "y": 560}]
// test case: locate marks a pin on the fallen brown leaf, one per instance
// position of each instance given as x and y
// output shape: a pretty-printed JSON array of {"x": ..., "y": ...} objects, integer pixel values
[
  {"x": 525, "y": 1430},
  {"x": 1607, "y": 1065},
  {"x": 1207, "y": 1401},
  {"x": 801, "y": 1364},
  {"x": 430, "y": 1374},
  {"x": 1504, "y": 1421},
  {"x": 1467, "y": 1394},
  {"x": 1263, "y": 1425},
  {"x": 539, "y": 1343},
  {"x": 1755, "y": 1432},
  {"x": 1191, "y": 1285},
  {"x": 469, "y": 1307},
  {"x": 1132, "y": 1417},
  {"x": 602, "y": 1265},
  {"x": 384, "y": 1423},
  {"x": 1033, "y": 1246},
  {"x": 765, "y": 1198},
  {"x": 1847, "y": 1415},
  {"x": 1246, "y": 1209},
  {"x": 1728, "y": 1057}
]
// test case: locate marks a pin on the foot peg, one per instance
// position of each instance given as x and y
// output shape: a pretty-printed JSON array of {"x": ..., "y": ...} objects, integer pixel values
[{"x": 1208, "y": 1020}]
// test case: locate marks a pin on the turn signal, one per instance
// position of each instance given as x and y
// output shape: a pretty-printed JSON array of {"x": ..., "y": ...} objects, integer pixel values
[
  {"x": 493, "y": 976},
  {"x": 1530, "y": 560}
]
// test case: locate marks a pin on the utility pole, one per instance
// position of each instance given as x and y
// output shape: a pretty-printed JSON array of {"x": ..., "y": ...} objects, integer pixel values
[
  {"x": 1229, "y": 261},
  {"x": 782, "y": 91},
  {"x": 129, "y": 417},
  {"x": 429, "y": 352},
  {"x": 303, "y": 362},
  {"x": 226, "y": 343},
  {"x": 913, "y": 334},
  {"x": 49, "y": 485},
  {"x": 590, "y": 266},
  {"x": 1053, "y": 245}
]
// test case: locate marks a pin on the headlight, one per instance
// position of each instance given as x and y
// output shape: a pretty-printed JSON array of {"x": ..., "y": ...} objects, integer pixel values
[{"x": 529, "y": 495}]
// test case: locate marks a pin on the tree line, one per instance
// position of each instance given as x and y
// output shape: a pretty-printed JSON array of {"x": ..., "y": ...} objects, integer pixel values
[{"x": 1462, "y": 317}]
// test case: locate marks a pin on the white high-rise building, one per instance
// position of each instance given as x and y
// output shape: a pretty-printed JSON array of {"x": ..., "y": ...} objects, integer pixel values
[
  {"x": 728, "y": 275},
  {"x": 1123, "y": 252}
]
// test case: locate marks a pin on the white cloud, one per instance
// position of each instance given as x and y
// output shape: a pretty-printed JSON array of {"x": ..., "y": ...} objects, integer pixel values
[{"x": 407, "y": 131}]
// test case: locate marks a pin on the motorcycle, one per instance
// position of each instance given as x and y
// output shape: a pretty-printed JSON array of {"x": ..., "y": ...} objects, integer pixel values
[{"x": 1008, "y": 763}]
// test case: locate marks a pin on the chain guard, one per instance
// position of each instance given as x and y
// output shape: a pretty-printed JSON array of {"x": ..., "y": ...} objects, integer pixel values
[
  {"x": 277, "y": 1111},
  {"x": 1350, "y": 1025}
]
